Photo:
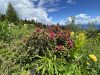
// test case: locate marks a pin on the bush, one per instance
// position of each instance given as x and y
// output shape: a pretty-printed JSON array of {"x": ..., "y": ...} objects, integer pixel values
[
  {"x": 58, "y": 52},
  {"x": 52, "y": 51}
]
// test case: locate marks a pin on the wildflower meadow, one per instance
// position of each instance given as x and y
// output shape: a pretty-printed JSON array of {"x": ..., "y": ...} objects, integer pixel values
[{"x": 29, "y": 47}]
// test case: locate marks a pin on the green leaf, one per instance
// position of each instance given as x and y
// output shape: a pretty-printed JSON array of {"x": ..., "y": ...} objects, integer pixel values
[
  {"x": 56, "y": 70},
  {"x": 39, "y": 68},
  {"x": 43, "y": 71},
  {"x": 51, "y": 68}
]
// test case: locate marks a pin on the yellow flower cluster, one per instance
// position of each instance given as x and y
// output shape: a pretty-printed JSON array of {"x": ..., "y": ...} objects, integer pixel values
[
  {"x": 93, "y": 57},
  {"x": 80, "y": 40},
  {"x": 72, "y": 34},
  {"x": 24, "y": 72},
  {"x": 81, "y": 37}
]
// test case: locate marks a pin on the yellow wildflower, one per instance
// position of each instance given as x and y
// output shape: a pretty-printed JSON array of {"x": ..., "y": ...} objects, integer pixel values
[
  {"x": 93, "y": 57},
  {"x": 82, "y": 36},
  {"x": 72, "y": 34},
  {"x": 80, "y": 40}
]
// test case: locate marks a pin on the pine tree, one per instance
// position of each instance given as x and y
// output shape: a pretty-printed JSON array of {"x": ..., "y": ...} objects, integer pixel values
[
  {"x": 2, "y": 17},
  {"x": 11, "y": 14}
]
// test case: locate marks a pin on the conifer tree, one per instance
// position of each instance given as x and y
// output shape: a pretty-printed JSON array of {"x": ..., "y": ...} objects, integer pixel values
[
  {"x": 2, "y": 17},
  {"x": 11, "y": 14}
]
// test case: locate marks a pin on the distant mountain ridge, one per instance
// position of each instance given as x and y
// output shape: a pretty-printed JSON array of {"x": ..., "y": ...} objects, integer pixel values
[{"x": 86, "y": 26}]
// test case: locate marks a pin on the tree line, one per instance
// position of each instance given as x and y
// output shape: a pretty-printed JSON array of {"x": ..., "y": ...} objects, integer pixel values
[{"x": 11, "y": 16}]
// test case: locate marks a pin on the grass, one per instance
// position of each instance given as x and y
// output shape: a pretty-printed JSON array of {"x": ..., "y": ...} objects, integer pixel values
[{"x": 16, "y": 58}]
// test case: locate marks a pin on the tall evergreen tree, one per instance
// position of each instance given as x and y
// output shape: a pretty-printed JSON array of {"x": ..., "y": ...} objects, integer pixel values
[
  {"x": 2, "y": 17},
  {"x": 11, "y": 14}
]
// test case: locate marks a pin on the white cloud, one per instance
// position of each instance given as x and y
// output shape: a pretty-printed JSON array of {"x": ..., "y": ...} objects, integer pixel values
[
  {"x": 82, "y": 16},
  {"x": 84, "y": 19},
  {"x": 62, "y": 22},
  {"x": 96, "y": 19},
  {"x": 26, "y": 10},
  {"x": 69, "y": 20},
  {"x": 55, "y": 9},
  {"x": 49, "y": 2},
  {"x": 51, "y": 10},
  {"x": 70, "y": 1},
  {"x": 49, "y": 5},
  {"x": 32, "y": 9}
]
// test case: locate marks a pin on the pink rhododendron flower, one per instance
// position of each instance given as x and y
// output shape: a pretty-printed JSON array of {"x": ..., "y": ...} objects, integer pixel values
[
  {"x": 70, "y": 43},
  {"x": 59, "y": 47},
  {"x": 52, "y": 35},
  {"x": 60, "y": 34},
  {"x": 38, "y": 29}
]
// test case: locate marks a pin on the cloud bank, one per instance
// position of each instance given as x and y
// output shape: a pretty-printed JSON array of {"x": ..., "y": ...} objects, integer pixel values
[
  {"x": 27, "y": 9},
  {"x": 38, "y": 10},
  {"x": 85, "y": 19},
  {"x": 32, "y": 9}
]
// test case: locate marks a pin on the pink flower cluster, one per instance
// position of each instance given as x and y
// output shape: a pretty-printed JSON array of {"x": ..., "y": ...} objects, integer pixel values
[
  {"x": 52, "y": 35},
  {"x": 61, "y": 36}
]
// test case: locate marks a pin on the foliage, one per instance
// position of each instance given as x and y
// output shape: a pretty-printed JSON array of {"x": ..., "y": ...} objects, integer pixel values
[
  {"x": 51, "y": 51},
  {"x": 11, "y": 14},
  {"x": 5, "y": 34},
  {"x": 2, "y": 17},
  {"x": 72, "y": 24},
  {"x": 46, "y": 49}
]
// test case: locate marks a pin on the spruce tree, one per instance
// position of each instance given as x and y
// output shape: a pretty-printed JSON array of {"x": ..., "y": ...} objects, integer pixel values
[
  {"x": 2, "y": 17},
  {"x": 11, "y": 14}
]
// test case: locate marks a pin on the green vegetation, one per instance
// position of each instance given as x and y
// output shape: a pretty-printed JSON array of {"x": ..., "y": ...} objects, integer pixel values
[
  {"x": 26, "y": 50},
  {"x": 11, "y": 14},
  {"x": 29, "y": 48}
]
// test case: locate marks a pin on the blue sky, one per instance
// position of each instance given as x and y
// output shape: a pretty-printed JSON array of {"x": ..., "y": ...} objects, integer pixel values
[
  {"x": 89, "y": 7},
  {"x": 55, "y": 11}
]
